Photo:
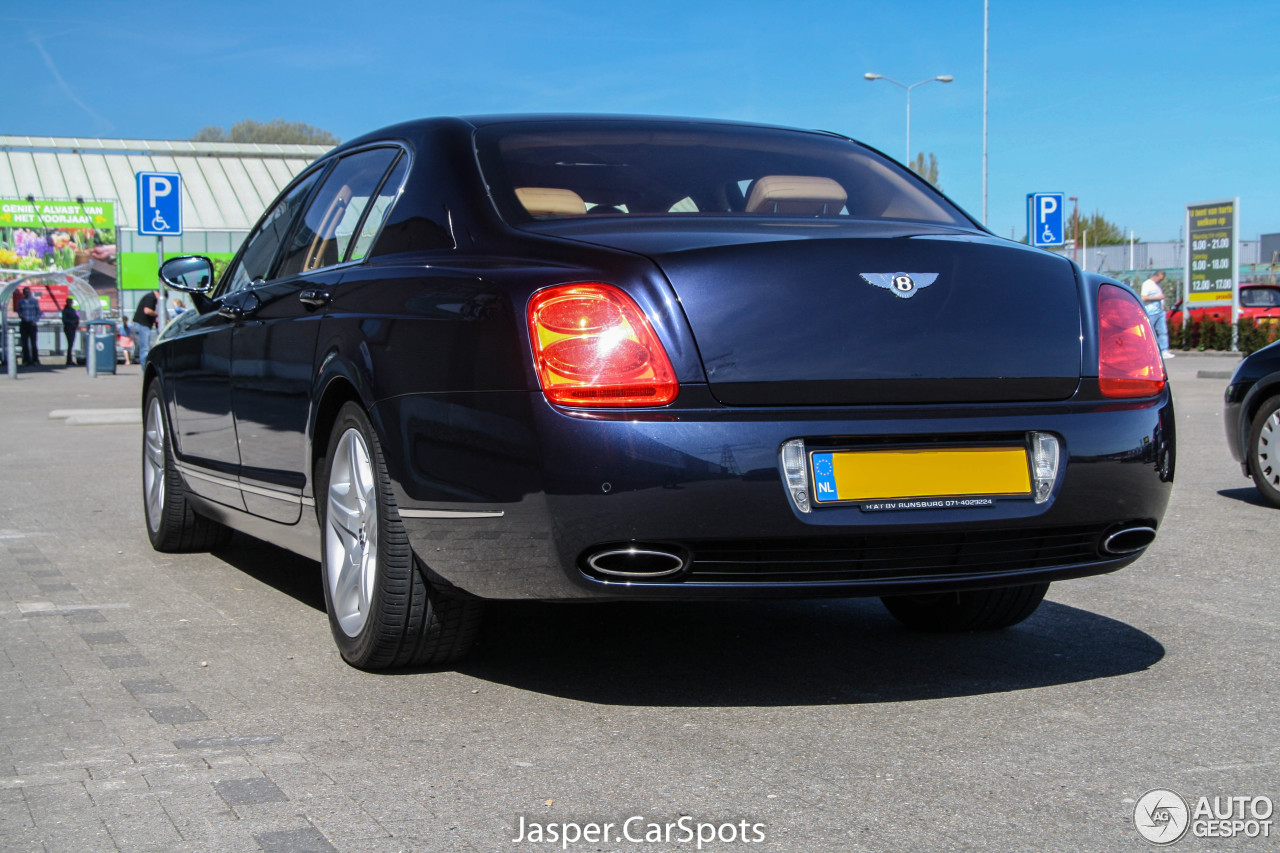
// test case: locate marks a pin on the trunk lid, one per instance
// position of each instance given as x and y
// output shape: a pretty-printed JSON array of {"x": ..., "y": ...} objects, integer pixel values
[{"x": 795, "y": 315}]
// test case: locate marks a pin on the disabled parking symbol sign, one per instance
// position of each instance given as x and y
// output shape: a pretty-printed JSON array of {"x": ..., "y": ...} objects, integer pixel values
[
  {"x": 1045, "y": 220},
  {"x": 159, "y": 204}
]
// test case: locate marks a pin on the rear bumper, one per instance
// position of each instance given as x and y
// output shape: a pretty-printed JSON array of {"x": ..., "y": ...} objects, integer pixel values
[{"x": 505, "y": 496}]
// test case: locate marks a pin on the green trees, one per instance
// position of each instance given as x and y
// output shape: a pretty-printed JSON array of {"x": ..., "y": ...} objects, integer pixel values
[
  {"x": 275, "y": 131},
  {"x": 927, "y": 171},
  {"x": 1099, "y": 230},
  {"x": 1093, "y": 227}
]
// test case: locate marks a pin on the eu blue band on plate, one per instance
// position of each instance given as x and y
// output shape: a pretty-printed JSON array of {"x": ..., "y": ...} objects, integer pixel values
[{"x": 824, "y": 478}]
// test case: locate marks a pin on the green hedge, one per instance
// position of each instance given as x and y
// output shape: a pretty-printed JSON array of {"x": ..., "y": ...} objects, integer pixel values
[{"x": 1216, "y": 335}]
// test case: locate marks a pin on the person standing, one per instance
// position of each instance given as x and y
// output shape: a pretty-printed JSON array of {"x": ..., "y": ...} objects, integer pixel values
[
  {"x": 29, "y": 326},
  {"x": 144, "y": 325},
  {"x": 70, "y": 323},
  {"x": 1153, "y": 300},
  {"x": 125, "y": 339}
]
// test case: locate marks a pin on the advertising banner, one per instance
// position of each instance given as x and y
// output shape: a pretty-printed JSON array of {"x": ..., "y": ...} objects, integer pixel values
[
  {"x": 1211, "y": 264},
  {"x": 40, "y": 235},
  {"x": 16, "y": 213}
]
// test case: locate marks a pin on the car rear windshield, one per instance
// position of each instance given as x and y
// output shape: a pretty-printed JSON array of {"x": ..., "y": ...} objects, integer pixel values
[
  {"x": 1260, "y": 297},
  {"x": 558, "y": 169}
]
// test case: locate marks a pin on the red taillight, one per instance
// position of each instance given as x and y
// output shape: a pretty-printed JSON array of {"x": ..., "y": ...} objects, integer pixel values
[
  {"x": 1129, "y": 363},
  {"x": 593, "y": 346}
]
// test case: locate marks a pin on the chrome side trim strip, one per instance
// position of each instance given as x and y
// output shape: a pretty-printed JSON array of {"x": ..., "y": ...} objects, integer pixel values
[
  {"x": 262, "y": 491},
  {"x": 451, "y": 513},
  {"x": 225, "y": 482},
  {"x": 196, "y": 473},
  {"x": 270, "y": 493}
]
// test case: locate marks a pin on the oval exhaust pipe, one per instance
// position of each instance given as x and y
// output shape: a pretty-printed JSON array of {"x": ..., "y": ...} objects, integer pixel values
[
  {"x": 1128, "y": 540},
  {"x": 638, "y": 562}
]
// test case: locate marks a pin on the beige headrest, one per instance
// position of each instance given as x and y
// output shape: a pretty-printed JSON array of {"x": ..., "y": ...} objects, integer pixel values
[
  {"x": 548, "y": 201},
  {"x": 797, "y": 194}
]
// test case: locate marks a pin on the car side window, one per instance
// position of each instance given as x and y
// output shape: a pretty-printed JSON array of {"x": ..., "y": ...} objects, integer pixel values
[
  {"x": 260, "y": 249},
  {"x": 330, "y": 224},
  {"x": 378, "y": 211}
]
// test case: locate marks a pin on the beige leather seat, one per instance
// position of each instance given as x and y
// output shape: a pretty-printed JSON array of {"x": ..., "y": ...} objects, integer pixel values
[
  {"x": 548, "y": 201},
  {"x": 796, "y": 195}
]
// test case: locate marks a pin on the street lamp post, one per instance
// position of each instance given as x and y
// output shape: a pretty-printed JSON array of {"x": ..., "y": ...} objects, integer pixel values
[
  {"x": 941, "y": 78},
  {"x": 1075, "y": 224},
  {"x": 986, "y": 43}
]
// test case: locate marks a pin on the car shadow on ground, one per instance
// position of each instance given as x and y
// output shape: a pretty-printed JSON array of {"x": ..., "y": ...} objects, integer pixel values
[
  {"x": 1245, "y": 494},
  {"x": 787, "y": 653},
  {"x": 294, "y": 575},
  {"x": 761, "y": 653}
]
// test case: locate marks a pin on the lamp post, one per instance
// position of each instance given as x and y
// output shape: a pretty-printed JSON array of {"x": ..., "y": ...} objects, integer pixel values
[
  {"x": 941, "y": 78},
  {"x": 986, "y": 43},
  {"x": 1075, "y": 224}
]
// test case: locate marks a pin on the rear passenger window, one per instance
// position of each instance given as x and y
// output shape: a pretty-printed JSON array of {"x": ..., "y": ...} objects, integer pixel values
[
  {"x": 329, "y": 227},
  {"x": 379, "y": 209}
]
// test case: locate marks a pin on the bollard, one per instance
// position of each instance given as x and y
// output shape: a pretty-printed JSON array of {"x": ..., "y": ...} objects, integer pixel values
[
  {"x": 9, "y": 359},
  {"x": 90, "y": 353}
]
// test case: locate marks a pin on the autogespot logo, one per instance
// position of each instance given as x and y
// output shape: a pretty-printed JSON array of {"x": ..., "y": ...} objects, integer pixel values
[{"x": 1161, "y": 816}]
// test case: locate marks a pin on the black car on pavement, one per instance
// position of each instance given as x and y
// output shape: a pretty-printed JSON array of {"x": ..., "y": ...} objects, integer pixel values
[
  {"x": 1252, "y": 416},
  {"x": 581, "y": 357}
]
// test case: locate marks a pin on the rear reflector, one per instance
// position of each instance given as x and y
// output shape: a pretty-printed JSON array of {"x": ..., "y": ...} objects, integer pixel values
[
  {"x": 1129, "y": 362},
  {"x": 796, "y": 469},
  {"x": 593, "y": 346},
  {"x": 1044, "y": 463}
]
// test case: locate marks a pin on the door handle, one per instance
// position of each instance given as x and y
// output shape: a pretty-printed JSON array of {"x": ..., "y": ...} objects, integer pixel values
[{"x": 316, "y": 297}]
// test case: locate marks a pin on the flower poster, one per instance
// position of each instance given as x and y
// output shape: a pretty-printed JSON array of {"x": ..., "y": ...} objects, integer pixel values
[{"x": 41, "y": 235}]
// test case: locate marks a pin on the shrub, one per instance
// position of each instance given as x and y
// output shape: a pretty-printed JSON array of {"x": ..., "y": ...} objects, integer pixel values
[{"x": 1216, "y": 335}]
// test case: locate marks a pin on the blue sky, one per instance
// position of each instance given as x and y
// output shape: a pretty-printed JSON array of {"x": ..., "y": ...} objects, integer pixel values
[{"x": 1137, "y": 108}]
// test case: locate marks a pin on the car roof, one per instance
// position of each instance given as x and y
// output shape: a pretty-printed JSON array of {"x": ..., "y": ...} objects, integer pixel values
[
  {"x": 531, "y": 118},
  {"x": 416, "y": 127}
]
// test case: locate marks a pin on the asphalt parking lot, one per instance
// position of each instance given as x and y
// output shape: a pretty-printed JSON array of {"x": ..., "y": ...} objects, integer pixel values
[{"x": 197, "y": 703}]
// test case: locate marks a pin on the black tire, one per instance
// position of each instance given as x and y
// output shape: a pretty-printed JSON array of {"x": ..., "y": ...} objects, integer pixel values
[
  {"x": 971, "y": 610},
  {"x": 406, "y": 621},
  {"x": 1263, "y": 451},
  {"x": 172, "y": 525}
]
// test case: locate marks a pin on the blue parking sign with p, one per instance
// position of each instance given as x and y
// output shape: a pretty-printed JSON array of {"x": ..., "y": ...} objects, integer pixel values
[
  {"x": 1044, "y": 219},
  {"x": 159, "y": 204}
]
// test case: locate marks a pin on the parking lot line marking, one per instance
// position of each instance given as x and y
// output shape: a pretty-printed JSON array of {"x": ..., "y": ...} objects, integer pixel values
[{"x": 48, "y": 608}]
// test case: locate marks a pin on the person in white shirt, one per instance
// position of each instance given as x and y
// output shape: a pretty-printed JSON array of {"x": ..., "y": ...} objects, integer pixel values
[{"x": 1153, "y": 300}]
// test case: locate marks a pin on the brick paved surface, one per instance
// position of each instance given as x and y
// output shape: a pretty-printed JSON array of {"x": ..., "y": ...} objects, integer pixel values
[
  {"x": 196, "y": 702},
  {"x": 140, "y": 708}
]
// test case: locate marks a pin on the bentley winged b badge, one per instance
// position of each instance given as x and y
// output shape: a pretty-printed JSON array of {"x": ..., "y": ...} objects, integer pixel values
[{"x": 903, "y": 284}]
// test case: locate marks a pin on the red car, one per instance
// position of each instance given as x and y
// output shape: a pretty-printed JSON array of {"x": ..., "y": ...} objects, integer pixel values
[{"x": 1258, "y": 302}]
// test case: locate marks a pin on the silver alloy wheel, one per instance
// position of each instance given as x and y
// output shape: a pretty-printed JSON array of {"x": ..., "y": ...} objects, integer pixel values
[
  {"x": 153, "y": 470},
  {"x": 1267, "y": 450},
  {"x": 351, "y": 533}
]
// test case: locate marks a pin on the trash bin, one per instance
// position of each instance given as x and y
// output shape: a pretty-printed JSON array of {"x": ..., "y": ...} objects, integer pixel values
[{"x": 102, "y": 340}]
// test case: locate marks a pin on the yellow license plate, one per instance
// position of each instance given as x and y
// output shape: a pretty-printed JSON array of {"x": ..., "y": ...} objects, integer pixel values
[{"x": 872, "y": 475}]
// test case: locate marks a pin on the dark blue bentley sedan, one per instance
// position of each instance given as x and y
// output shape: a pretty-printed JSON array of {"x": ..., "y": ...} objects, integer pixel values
[{"x": 574, "y": 357}]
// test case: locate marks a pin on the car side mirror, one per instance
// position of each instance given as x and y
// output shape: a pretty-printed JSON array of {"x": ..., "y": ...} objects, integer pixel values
[{"x": 190, "y": 274}]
